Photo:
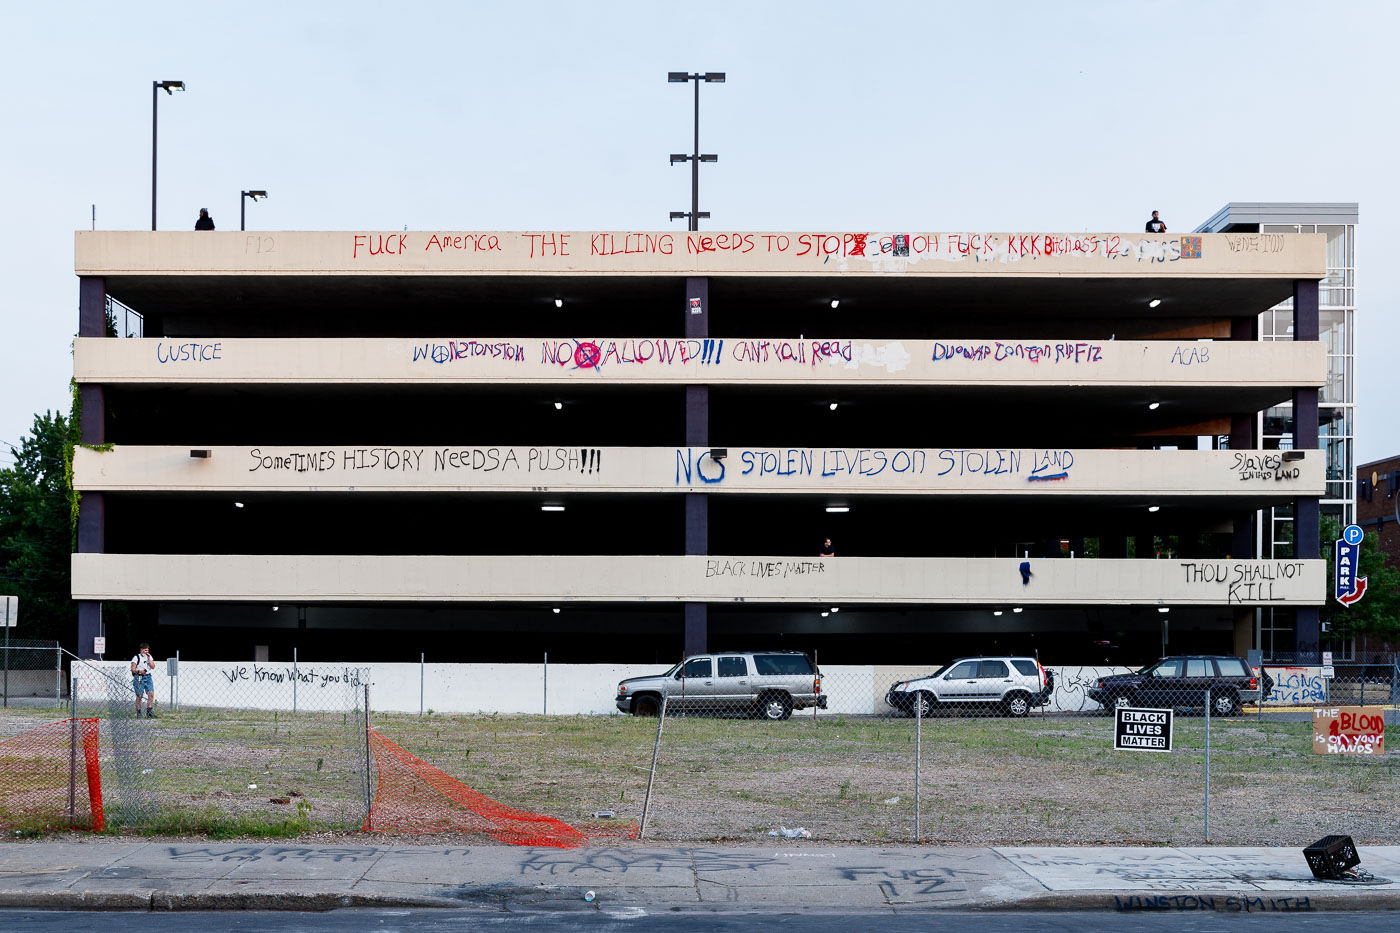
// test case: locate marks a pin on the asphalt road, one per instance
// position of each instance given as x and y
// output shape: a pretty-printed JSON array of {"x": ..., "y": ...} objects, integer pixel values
[{"x": 637, "y": 919}]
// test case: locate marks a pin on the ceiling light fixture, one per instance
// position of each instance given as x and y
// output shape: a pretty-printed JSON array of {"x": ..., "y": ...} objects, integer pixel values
[
  {"x": 559, "y": 302},
  {"x": 825, "y": 614},
  {"x": 551, "y": 508},
  {"x": 1163, "y": 609},
  {"x": 1154, "y": 508},
  {"x": 556, "y": 610},
  {"x": 835, "y": 608},
  {"x": 835, "y": 303},
  {"x": 833, "y": 405},
  {"x": 1018, "y": 609},
  {"x": 838, "y": 508},
  {"x": 238, "y": 505},
  {"x": 558, "y": 406},
  {"x": 1154, "y": 302},
  {"x": 1153, "y": 406},
  {"x": 996, "y": 612}
]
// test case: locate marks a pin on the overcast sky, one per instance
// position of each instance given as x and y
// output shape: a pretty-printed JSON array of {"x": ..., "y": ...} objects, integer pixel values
[{"x": 464, "y": 116}]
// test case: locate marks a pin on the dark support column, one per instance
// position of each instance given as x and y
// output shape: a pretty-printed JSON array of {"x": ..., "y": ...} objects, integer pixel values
[
  {"x": 697, "y": 434},
  {"x": 92, "y": 306},
  {"x": 92, "y": 523},
  {"x": 1305, "y": 509},
  {"x": 1243, "y": 539},
  {"x": 1244, "y": 328},
  {"x": 1145, "y": 546},
  {"x": 1076, "y": 546},
  {"x": 1113, "y": 547}
]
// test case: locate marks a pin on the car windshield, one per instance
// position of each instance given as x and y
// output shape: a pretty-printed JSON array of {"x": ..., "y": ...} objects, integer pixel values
[{"x": 939, "y": 672}]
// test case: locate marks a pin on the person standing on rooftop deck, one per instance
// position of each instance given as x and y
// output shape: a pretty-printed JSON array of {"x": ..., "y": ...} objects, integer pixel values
[{"x": 1156, "y": 225}]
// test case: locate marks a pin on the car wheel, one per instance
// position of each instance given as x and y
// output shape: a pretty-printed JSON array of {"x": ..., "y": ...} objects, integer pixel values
[
  {"x": 646, "y": 706},
  {"x": 1017, "y": 705},
  {"x": 1224, "y": 703},
  {"x": 922, "y": 704},
  {"x": 775, "y": 706}
]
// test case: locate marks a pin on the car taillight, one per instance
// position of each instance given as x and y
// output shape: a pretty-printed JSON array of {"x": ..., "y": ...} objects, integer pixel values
[
  {"x": 1099, "y": 685},
  {"x": 1042, "y": 673},
  {"x": 818, "y": 687},
  {"x": 1254, "y": 683}
]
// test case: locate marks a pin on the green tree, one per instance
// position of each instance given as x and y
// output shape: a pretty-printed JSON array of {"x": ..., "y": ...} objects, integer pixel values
[
  {"x": 1378, "y": 612},
  {"x": 37, "y": 527}
]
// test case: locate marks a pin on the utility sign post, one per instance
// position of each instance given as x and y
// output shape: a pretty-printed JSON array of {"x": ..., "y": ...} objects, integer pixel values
[
  {"x": 1142, "y": 730},
  {"x": 9, "y": 615},
  {"x": 1347, "y": 586}
]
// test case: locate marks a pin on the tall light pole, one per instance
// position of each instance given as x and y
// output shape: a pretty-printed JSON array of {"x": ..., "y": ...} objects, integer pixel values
[
  {"x": 243, "y": 203},
  {"x": 695, "y": 158},
  {"x": 169, "y": 87}
]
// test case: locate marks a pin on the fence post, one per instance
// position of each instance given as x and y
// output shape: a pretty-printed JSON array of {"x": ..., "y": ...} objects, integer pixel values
[
  {"x": 1207, "y": 764},
  {"x": 918, "y": 754},
  {"x": 1394, "y": 689},
  {"x": 816, "y": 697},
  {"x": 651, "y": 775},
  {"x": 73, "y": 752},
  {"x": 422, "y": 663},
  {"x": 546, "y": 683},
  {"x": 177, "y": 678},
  {"x": 7, "y": 659},
  {"x": 369, "y": 799},
  {"x": 295, "y": 677},
  {"x": 57, "y": 675}
]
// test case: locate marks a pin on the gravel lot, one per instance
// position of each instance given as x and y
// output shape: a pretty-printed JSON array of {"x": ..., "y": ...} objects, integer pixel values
[{"x": 1045, "y": 779}]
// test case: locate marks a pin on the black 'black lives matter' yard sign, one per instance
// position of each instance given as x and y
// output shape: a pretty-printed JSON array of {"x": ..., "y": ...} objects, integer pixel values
[{"x": 1143, "y": 730}]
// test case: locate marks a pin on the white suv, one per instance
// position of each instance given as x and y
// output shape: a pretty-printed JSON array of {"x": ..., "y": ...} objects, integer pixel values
[{"x": 1009, "y": 685}]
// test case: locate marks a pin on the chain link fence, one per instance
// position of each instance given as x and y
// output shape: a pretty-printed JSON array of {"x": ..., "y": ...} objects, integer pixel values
[
  {"x": 972, "y": 751},
  {"x": 31, "y": 673},
  {"x": 276, "y": 753},
  {"x": 1001, "y": 750}
]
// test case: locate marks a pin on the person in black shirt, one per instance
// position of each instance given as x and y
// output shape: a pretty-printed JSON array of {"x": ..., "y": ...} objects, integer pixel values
[
  {"x": 828, "y": 550},
  {"x": 1155, "y": 225},
  {"x": 205, "y": 222}
]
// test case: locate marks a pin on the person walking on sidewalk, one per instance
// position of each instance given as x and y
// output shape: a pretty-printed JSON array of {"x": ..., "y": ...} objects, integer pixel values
[{"x": 141, "y": 667}]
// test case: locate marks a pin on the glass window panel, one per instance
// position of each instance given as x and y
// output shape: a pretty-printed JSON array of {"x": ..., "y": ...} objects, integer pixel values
[
  {"x": 1332, "y": 327},
  {"x": 1335, "y": 389},
  {"x": 1198, "y": 667},
  {"x": 699, "y": 667},
  {"x": 1278, "y": 228},
  {"x": 1170, "y": 668},
  {"x": 967, "y": 670},
  {"x": 993, "y": 669},
  {"x": 733, "y": 667}
]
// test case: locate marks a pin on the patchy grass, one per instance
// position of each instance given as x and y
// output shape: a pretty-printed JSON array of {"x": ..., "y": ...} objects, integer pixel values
[{"x": 1044, "y": 779}]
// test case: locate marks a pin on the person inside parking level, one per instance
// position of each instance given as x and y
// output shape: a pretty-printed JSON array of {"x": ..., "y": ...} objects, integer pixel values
[
  {"x": 141, "y": 667},
  {"x": 828, "y": 549}
]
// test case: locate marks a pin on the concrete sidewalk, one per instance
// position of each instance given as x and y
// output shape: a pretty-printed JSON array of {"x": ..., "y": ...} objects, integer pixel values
[{"x": 104, "y": 873}]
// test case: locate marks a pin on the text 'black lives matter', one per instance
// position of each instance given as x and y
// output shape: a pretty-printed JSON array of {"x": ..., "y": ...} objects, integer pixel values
[{"x": 1142, "y": 730}]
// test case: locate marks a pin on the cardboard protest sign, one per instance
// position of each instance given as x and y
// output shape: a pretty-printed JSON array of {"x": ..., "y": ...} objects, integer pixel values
[{"x": 1349, "y": 730}]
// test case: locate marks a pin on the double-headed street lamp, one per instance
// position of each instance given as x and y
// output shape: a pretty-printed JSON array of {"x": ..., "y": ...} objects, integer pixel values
[
  {"x": 169, "y": 87},
  {"x": 695, "y": 158},
  {"x": 243, "y": 203}
]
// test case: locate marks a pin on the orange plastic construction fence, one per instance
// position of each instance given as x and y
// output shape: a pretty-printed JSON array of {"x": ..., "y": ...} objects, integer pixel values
[
  {"x": 415, "y": 797},
  {"x": 50, "y": 777}
]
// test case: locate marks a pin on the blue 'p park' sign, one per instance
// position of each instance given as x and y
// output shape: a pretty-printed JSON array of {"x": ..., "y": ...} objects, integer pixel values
[{"x": 1347, "y": 586}]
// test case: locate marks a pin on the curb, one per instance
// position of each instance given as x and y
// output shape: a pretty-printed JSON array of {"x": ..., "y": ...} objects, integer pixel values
[{"x": 476, "y": 899}]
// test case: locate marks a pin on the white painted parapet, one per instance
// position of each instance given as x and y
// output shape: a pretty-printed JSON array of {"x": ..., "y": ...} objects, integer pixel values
[
  {"x": 736, "y": 578},
  {"x": 686, "y": 361},
  {"x": 573, "y": 689},
  {"x": 815, "y": 470},
  {"x": 917, "y": 253}
]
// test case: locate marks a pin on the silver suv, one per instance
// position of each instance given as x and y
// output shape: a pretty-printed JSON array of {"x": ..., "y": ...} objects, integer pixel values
[
  {"x": 768, "y": 684},
  {"x": 1007, "y": 685}
]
